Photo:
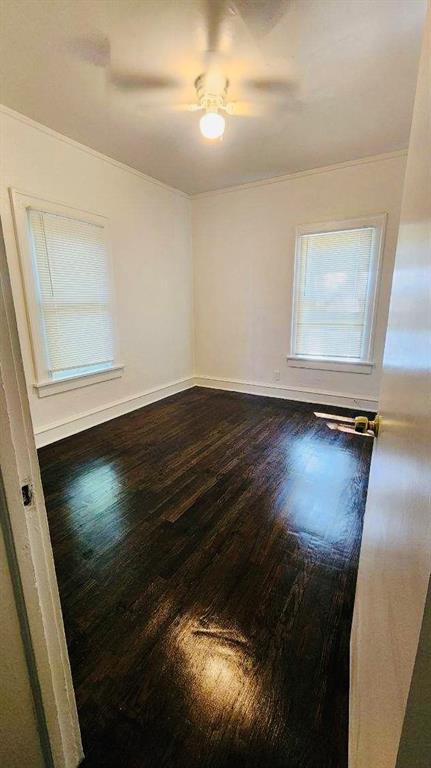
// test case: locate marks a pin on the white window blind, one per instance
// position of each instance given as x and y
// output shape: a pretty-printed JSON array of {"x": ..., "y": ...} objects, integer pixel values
[
  {"x": 335, "y": 281},
  {"x": 74, "y": 292}
]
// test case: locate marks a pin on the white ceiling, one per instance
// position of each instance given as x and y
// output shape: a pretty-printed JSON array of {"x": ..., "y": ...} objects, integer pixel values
[{"x": 334, "y": 80}]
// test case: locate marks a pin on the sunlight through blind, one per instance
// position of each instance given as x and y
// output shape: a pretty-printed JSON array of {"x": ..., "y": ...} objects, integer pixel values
[
  {"x": 334, "y": 285},
  {"x": 74, "y": 292}
]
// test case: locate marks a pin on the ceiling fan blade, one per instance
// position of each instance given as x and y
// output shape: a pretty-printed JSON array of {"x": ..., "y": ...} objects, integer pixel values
[
  {"x": 272, "y": 86},
  {"x": 167, "y": 106},
  {"x": 216, "y": 11},
  {"x": 137, "y": 81},
  {"x": 185, "y": 107},
  {"x": 94, "y": 49},
  {"x": 244, "y": 109},
  {"x": 261, "y": 16}
]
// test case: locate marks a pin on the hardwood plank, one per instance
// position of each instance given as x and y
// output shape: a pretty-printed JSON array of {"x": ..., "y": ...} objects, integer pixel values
[{"x": 206, "y": 549}]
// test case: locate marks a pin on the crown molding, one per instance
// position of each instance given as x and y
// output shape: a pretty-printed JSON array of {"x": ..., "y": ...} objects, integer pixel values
[
  {"x": 198, "y": 195},
  {"x": 301, "y": 174},
  {"x": 84, "y": 148}
]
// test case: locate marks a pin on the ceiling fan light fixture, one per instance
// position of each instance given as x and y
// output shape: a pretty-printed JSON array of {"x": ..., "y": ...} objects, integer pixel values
[{"x": 212, "y": 125}]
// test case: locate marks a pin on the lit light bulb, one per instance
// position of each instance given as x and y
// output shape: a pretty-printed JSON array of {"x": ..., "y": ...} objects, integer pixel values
[{"x": 212, "y": 125}]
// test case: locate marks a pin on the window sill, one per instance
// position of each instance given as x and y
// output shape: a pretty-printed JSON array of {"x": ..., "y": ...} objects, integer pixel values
[
  {"x": 49, "y": 387},
  {"x": 329, "y": 365}
]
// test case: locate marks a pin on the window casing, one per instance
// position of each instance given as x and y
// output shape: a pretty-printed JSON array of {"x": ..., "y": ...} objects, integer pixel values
[
  {"x": 68, "y": 285},
  {"x": 335, "y": 286}
]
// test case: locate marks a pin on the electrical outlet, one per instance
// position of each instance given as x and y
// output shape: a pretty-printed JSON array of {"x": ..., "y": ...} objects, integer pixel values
[{"x": 276, "y": 375}]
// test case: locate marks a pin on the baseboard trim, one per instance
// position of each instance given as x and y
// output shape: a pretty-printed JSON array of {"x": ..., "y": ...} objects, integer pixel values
[
  {"x": 304, "y": 395},
  {"x": 50, "y": 433},
  {"x": 57, "y": 430}
]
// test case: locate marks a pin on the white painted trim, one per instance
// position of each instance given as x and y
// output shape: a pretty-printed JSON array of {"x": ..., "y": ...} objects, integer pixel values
[
  {"x": 301, "y": 174},
  {"x": 53, "y": 386},
  {"x": 50, "y": 433},
  {"x": 55, "y": 206},
  {"x": 21, "y": 203},
  {"x": 224, "y": 190},
  {"x": 296, "y": 361},
  {"x": 83, "y": 148},
  {"x": 366, "y": 403},
  {"x": 376, "y": 221}
]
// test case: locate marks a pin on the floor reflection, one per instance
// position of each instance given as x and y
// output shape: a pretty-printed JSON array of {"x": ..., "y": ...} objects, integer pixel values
[
  {"x": 219, "y": 673},
  {"x": 101, "y": 479},
  {"x": 92, "y": 504},
  {"x": 319, "y": 503}
]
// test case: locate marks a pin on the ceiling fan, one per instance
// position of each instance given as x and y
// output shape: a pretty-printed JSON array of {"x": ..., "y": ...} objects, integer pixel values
[
  {"x": 212, "y": 97},
  {"x": 247, "y": 21}
]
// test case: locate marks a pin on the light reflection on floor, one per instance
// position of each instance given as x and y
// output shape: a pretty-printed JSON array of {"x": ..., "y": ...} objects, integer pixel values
[
  {"x": 91, "y": 496},
  {"x": 318, "y": 471},
  {"x": 220, "y": 675}
]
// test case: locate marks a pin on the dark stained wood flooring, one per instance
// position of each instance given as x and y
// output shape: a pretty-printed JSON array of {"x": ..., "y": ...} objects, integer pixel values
[{"x": 206, "y": 548}]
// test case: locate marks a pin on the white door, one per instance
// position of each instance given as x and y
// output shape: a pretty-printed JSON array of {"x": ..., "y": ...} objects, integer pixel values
[
  {"x": 395, "y": 559},
  {"x": 38, "y": 702}
]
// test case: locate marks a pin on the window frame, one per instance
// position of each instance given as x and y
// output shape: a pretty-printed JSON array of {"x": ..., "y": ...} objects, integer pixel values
[
  {"x": 366, "y": 364},
  {"x": 43, "y": 382}
]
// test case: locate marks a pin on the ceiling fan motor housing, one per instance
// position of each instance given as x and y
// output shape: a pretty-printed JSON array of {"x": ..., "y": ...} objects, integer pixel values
[{"x": 209, "y": 97}]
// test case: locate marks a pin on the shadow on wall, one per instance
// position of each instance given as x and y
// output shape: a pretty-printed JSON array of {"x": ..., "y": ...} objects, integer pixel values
[{"x": 415, "y": 744}]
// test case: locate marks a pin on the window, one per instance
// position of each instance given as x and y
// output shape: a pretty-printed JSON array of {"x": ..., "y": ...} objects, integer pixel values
[
  {"x": 335, "y": 286},
  {"x": 68, "y": 290}
]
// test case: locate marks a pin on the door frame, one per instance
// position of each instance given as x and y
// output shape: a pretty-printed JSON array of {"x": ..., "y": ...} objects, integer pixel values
[{"x": 29, "y": 548}]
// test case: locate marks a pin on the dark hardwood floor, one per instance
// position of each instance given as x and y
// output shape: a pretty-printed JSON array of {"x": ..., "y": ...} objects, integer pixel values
[{"x": 206, "y": 549}]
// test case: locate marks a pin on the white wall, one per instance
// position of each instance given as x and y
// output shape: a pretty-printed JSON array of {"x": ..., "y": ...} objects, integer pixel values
[
  {"x": 243, "y": 241},
  {"x": 233, "y": 282},
  {"x": 151, "y": 246}
]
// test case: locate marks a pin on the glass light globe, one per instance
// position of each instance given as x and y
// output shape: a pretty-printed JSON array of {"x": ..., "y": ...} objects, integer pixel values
[{"x": 212, "y": 125}]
